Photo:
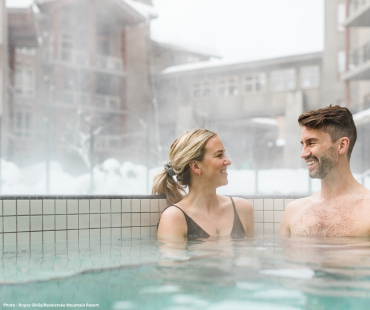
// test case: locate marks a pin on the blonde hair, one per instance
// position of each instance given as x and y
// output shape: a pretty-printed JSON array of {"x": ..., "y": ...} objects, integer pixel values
[{"x": 186, "y": 148}]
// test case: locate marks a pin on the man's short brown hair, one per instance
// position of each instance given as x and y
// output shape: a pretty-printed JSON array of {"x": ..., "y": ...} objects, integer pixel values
[{"x": 335, "y": 120}]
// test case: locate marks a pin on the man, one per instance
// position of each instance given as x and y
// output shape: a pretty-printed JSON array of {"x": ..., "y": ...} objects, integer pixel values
[{"x": 342, "y": 206}]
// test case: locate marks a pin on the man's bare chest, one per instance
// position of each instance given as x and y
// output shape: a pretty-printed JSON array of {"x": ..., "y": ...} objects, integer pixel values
[{"x": 326, "y": 221}]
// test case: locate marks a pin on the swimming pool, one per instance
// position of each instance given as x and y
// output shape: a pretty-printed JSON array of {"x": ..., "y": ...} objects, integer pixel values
[{"x": 263, "y": 272}]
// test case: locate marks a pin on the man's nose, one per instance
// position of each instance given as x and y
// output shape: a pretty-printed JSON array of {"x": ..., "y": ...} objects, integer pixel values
[{"x": 305, "y": 152}]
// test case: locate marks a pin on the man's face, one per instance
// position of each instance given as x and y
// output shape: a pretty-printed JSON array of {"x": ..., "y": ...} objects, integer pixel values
[{"x": 319, "y": 152}]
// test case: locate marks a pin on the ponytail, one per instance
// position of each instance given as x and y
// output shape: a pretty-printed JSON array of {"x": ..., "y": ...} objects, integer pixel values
[{"x": 164, "y": 184}]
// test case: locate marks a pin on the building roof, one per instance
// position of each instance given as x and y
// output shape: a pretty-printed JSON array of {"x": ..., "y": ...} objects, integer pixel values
[
  {"x": 362, "y": 118},
  {"x": 180, "y": 46},
  {"x": 204, "y": 65}
]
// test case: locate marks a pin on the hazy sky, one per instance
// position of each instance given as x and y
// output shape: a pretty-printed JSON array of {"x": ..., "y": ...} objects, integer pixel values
[{"x": 243, "y": 29}]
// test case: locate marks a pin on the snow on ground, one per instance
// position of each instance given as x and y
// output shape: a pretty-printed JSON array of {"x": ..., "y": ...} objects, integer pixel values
[{"x": 115, "y": 178}]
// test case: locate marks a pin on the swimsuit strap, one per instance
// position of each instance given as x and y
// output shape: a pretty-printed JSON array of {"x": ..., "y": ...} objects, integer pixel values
[{"x": 238, "y": 228}]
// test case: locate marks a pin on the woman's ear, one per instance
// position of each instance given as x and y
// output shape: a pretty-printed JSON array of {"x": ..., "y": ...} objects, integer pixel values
[
  {"x": 195, "y": 167},
  {"x": 343, "y": 145}
]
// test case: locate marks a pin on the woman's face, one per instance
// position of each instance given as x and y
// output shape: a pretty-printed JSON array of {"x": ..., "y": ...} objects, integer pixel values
[{"x": 214, "y": 164}]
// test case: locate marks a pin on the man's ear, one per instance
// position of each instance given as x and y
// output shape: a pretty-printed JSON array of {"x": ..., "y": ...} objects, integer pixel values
[
  {"x": 195, "y": 167},
  {"x": 343, "y": 145}
]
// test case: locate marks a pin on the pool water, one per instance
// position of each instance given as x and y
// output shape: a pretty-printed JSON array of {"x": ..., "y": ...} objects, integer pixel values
[{"x": 263, "y": 272}]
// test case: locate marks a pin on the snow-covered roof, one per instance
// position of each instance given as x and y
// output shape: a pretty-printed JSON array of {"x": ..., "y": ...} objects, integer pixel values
[
  {"x": 22, "y": 5},
  {"x": 146, "y": 11},
  {"x": 185, "y": 47},
  {"x": 362, "y": 117},
  {"x": 265, "y": 120},
  {"x": 214, "y": 63}
]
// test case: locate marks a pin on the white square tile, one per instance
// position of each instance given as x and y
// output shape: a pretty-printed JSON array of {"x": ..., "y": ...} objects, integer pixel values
[
  {"x": 48, "y": 206},
  {"x": 268, "y": 228},
  {"x": 48, "y": 236},
  {"x": 258, "y": 204},
  {"x": 83, "y": 206},
  {"x": 1, "y": 225},
  {"x": 23, "y": 223},
  {"x": 116, "y": 220},
  {"x": 1, "y": 208},
  {"x": 36, "y": 236},
  {"x": 154, "y": 218},
  {"x": 135, "y": 205},
  {"x": 23, "y": 237},
  {"x": 135, "y": 219},
  {"x": 268, "y": 204},
  {"x": 153, "y": 231},
  {"x": 95, "y": 206},
  {"x": 126, "y": 219},
  {"x": 10, "y": 224},
  {"x": 61, "y": 235},
  {"x": 36, "y": 222},
  {"x": 94, "y": 220},
  {"x": 83, "y": 234},
  {"x": 145, "y": 219},
  {"x": 106, "y": 232},
  {"x": 36, "y": 206},
  {"x": 72, "y": 221},
  {"x": 163, "y": 204},
  {"x": 258, "y": 216},
  {"x": 145, "y": 205},
  {"x": 276, "y": 228},
  {"x": 10, "y": 238},
  {"x": 49, "y": 222},
  {"x": 278, "y": 215},
  {"x": 60, "y": 222},
  {"x": 72, "y": 235},
  {"x": 116, "y": 232},
  {"x": 105, "y": 220},
  {"x": 268, "y": 216},
  {"x": 154, "y": 205},
  {"x": 116, "y": 205},
  {"x": 72, "y": 206},
  {"x": 9, "y": 207},
  {"x": 105, "y": 206},
  {"x": 23, "y": 207},
  {"x": 94, "y": 233},
  {"x": 145, "y": 232},
  {"x": 135, "y": 232},
  {"x": 278, "y": 204},
  {"x": 126, "y": 232},
  {"x": 61, "y": 206},
  {"x": 84, "y": 221},
  {"x": 126, "y": 205}
]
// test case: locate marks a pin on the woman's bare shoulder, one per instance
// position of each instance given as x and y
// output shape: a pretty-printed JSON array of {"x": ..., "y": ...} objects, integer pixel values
[{"x": 172, "y": 223}]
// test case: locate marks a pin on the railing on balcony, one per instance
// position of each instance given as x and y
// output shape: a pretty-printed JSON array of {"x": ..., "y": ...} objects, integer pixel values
[
  {"x": 73, "y": 98},
  {"x": 356, "y": 5},
  {"x": 80, "y": 58},
  {"x": 359, "y": 56},
  {"x": 109, "y": 63},
  {"x": 107, "y": 102}
]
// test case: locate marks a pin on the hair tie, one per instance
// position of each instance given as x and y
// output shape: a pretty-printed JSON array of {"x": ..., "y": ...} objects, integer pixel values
[{"x": 169, "y": 169}]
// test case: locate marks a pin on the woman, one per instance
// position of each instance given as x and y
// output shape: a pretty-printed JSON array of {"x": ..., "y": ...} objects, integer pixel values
[{"x": 198, "y": 160}]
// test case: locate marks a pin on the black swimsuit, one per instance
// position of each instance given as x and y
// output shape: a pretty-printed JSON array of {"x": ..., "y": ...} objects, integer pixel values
[{"x": 195, "y": 231}]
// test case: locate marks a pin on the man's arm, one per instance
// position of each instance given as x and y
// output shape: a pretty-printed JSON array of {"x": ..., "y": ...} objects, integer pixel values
[{"x": 286, "y": 221}]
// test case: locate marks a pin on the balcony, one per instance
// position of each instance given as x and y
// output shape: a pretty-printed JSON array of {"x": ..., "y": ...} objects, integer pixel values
[
  {"x": 107, "y": 102},
  {"x": 359, "y": 64},
  {"x": 74, "y": 99},
  {"x": 82, "y": 59},
  {"x": 359, "y": 14}
]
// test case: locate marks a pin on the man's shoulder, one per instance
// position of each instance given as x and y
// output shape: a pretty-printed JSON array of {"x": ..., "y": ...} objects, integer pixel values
[{"x": 299, "y": 203}]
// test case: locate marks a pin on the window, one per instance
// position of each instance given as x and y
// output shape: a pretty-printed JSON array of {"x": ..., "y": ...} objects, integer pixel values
[
  {"x": 341, "y": 16},
  {"x": 24, "y": 81},
  {"x": 228, "y": 86},
  {"x": 341, "y": 61},
  {"x": 310, "y": 77},
  {"x": 202, "y": 89},
  {"x": 22, "y": 124},
  {"x": 283, "y": 80},
  {"x": 254, "y": 83}
]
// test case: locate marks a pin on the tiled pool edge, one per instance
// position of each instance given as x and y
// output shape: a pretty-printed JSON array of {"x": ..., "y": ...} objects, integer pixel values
[{"x": 27, "y": 219}]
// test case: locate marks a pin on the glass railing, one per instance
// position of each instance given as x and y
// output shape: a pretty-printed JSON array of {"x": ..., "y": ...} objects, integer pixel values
[
  {"x": 75, "y": 98},
  {"x": 107, "y": 102},
  {"x": 356, "y": 5},
  {"x": 109, "y": 63},
  {"x": 359, "y": 56}
]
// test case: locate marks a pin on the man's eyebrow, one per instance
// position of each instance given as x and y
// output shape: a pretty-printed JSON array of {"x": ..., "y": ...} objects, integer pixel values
[{"x": 309, "y": 140}]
